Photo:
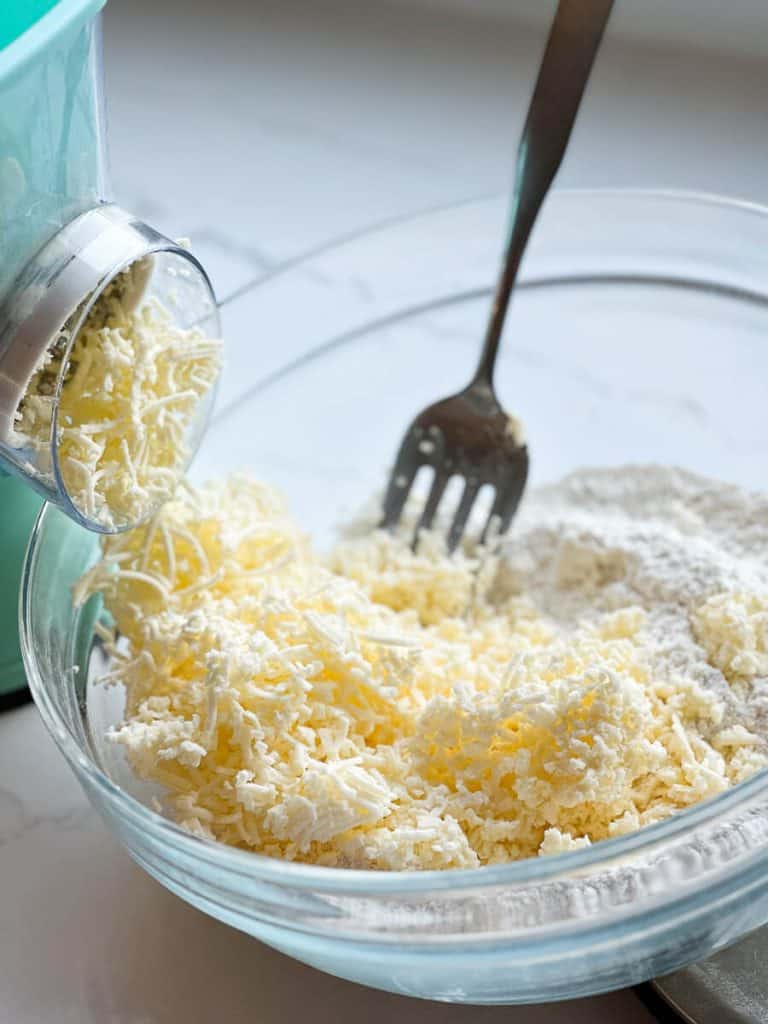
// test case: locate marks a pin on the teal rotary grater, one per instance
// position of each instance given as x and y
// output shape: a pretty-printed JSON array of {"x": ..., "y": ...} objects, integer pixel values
[{"x": 61, "y": 243}]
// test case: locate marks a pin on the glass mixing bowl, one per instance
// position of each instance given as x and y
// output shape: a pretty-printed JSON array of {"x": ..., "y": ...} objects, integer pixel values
[{"x": 638, "y": 334}]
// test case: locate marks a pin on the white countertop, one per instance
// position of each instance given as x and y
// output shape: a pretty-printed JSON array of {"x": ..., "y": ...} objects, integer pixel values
[{"x": 261, "y": 130}]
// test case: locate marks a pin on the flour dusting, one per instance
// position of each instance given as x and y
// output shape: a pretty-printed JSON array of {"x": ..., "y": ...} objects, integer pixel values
[{"x": 665, "y": 540}]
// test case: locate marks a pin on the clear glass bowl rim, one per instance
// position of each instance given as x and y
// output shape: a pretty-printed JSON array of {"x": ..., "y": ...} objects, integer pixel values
[{"x": 368, "y": 882}]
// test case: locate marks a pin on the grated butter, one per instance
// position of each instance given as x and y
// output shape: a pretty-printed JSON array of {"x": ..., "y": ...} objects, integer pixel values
[
  {"x": 395, "y": 710},
  {"x": 133, "y": 384}
]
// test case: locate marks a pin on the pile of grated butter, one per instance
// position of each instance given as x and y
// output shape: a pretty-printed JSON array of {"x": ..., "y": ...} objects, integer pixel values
[
  {"x": 387, "y": 709},
  {"x": 133, "y": 383}
]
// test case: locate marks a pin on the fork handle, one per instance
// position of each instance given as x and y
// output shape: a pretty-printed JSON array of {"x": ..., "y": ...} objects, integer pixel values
[{"x": 570, "y": 52}]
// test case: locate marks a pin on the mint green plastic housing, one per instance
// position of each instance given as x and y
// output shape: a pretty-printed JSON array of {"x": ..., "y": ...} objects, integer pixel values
[
  {"x": 52, "y": 152},
  {"x": 52, "y": 167}
]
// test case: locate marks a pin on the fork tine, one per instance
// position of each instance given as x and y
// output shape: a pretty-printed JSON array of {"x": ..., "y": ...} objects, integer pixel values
[
  {"x": 462, "y": 513},
  {"x": 433, "y": 500},
  {"x": 504, "y": 506},
  {"x": 399, "y": 487}
]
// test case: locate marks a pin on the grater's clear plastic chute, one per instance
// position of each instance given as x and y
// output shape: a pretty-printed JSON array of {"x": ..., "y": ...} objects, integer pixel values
[{"x": 109, "y": 355}]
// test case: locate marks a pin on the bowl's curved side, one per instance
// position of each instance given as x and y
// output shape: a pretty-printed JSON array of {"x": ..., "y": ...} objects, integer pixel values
[{"x": 583, "y": 922}]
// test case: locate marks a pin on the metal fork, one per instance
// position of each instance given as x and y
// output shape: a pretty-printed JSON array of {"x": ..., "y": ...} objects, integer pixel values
[{"x": 469, "y": 435}]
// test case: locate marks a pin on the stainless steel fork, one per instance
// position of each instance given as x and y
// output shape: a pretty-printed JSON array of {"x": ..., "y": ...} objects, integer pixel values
[{"x": 469, "y": 435}]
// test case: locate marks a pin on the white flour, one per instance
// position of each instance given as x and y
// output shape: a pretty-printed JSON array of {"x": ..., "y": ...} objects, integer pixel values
[{"x": 657, "y": 537}]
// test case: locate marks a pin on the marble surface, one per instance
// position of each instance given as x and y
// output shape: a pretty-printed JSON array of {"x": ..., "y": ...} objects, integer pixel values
[
  {"x": 262, "y": 130},
  {"x": 314, "y": 118}
]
